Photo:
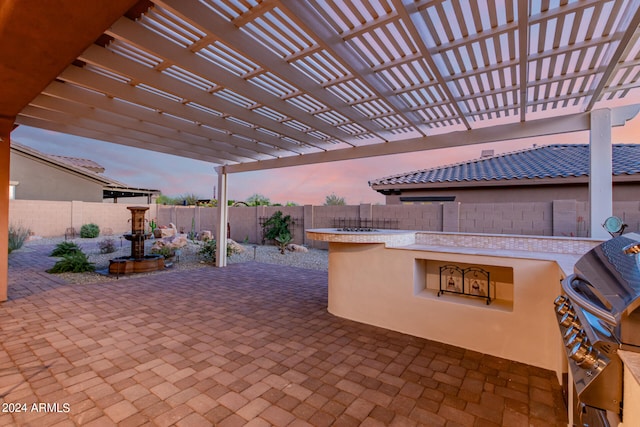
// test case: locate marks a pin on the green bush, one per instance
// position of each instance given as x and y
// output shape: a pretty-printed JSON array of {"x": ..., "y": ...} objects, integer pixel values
[
  {"x": 165, "y": 251},
  {"x": 65, "y": 248},
  {"x": 283, "y": 240},
  {"x": 75, "y": 262},
  {"x": 89, "y": 231},
  {"x": 276, "y": 225},
  {"x": 17, "y": 236},
  {"x": 208, "y": 250},
  {"x": 107, "y": 246}
]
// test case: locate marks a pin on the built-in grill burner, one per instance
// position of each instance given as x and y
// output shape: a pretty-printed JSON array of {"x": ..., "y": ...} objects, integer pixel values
[
  {"x": 357, "y": 229},
  {"x": 598, "y": 314}
]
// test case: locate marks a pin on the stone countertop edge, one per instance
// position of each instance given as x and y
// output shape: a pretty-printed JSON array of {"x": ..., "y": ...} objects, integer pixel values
[
  {"x": 565, "y": 261},
  {"x": 390, "y": 238},
  {"x": 631, "y": 360}
]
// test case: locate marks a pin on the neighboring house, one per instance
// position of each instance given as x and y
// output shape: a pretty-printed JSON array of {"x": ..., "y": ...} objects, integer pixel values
[
  {"x": 38, "y": 176},
  {"x": 545, "y": 173}
]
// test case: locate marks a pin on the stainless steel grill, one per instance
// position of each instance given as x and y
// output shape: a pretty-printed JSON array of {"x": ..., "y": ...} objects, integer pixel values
[{"x": 598, "y": 314}]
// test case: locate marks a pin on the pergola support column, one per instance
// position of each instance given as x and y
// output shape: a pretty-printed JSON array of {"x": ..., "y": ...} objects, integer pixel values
[
  {"x": 5, "y": 155},
  {"x": 600, "y": 172},
  {"x": 223, "y": 215}
]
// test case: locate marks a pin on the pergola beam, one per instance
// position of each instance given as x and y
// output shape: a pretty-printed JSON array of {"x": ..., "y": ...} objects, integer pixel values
[
  {"x": 310, "y": 19},
  {"x": 212, "y": 139},
  {"x": 411, "y": 17},
  {"x": 613, "y": 59},
  {"x": 533, "y": 128},
  {"x": 48, "y": 119},
  {"x": 83, "y": 78},
  {"x": 523, "y": 49},
  {"x": 198, "y": 15},
  {"x": 101, "y": 135},
  {"x": 132, "y": 33},
  {"x": 73, "y": 110},
  {"x": 138, "y": 73}
]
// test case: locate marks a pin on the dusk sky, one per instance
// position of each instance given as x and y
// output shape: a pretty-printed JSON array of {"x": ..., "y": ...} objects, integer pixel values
[{"x": 302, "y": 184}]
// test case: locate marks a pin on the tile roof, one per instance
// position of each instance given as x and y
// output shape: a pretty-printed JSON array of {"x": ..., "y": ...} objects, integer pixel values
[
  {"x": 551, "y": 161},
  {"x": 80, "y": 162},
  {"x": 85, "y": 167}
]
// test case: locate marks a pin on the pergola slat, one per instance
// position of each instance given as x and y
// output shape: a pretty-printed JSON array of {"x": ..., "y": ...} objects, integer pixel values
[
  {"x": 219, "y": 140},
  {"x": 135, "y": 95},
  {"x": 264, "y": 81}
]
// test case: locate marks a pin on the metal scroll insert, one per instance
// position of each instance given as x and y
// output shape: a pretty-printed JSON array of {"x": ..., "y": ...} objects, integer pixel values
[{"x": 472, "y": 281}]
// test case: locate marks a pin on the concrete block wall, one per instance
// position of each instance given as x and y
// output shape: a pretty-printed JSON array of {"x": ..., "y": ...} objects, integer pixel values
[
  {"x": 583, "y": 218},
  {"x": 507, "y": 218},
  {"x": 108, "y": 216},
  {"x": 323, "y": 216},
  {"x": 52, "y": 218},
  {"x": 451, "y": 216},
  {"x": 43, "y": 218},
  {"x": 243, "y": 224},
  {"x": 411, "y": 217},
  {"x": 629, "y": 212},
  {"x": 558, "y": 218}
]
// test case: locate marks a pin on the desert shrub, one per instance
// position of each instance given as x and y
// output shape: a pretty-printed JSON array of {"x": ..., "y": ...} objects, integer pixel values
[
  {"x": 65, "y": 248},
  {"x": 107, "y": 246},
  {"x": 165, "y": 251},
  {"x": 208, "y": 250},
  {"x": 89, "y": 231},
  {"x": 17, "y": 236},
  {"x": 282, "y": 241},
  {"x": 75, "y": 262}
]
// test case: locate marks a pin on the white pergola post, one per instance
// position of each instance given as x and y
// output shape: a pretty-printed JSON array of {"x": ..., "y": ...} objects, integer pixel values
[
  {"x": 600, "y": 172},
  {"x": 5, "y": 155},
  {"x": 223, "y": 214}
]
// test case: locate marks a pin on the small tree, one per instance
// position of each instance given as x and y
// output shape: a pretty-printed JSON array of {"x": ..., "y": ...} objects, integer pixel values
[
  {"x": 165, "y": 200},
  {"x": 333, "y": 200},
  {"x": 188, "y": 199},
  {"x": 258, "y": 200}
]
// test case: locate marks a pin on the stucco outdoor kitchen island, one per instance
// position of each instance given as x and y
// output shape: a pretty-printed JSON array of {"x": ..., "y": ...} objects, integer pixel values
[{"x": 435, "y": 286}]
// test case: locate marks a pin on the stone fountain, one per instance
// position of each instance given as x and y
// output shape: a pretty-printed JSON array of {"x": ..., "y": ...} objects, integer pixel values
[{"x": 138, "y": 262}]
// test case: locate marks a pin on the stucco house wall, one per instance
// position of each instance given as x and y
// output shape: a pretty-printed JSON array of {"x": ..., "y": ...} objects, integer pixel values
[{"x": 40, "y": 181}]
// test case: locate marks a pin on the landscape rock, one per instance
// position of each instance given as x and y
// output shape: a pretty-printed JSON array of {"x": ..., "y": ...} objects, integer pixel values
[
  {"x": 296, "y": 248},
  {"x": 235, "y": 246}
]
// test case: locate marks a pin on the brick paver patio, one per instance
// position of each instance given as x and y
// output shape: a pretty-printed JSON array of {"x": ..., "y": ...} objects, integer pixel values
[{"x": 251, "y": 344}]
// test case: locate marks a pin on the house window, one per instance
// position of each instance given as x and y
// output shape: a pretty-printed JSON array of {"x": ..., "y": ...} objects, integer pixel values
[
  {"x": 12, "y": 190},
  {"x": 425, "y": 200}
]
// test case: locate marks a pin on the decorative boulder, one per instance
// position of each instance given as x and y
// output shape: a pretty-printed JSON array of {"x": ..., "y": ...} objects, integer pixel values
[
  {"x": 296, "y": 248},
  {"x": 167, "y": 232},
  {"x": 178, "y": 242},
  {"x": 235, "y": 247}
]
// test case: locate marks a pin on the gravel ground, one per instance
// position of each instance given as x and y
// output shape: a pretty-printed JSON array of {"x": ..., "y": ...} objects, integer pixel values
[{"x": 315, "y": 259}]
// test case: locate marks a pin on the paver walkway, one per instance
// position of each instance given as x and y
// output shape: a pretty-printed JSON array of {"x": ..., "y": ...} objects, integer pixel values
[{"x": 250, "y": 344}]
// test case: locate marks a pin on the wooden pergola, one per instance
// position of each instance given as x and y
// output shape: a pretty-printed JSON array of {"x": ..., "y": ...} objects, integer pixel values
[{"x": 250, "y": 85}]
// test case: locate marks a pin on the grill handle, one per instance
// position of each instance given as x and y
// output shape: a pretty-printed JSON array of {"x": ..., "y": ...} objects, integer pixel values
[{"x": 585, "y": 303}]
